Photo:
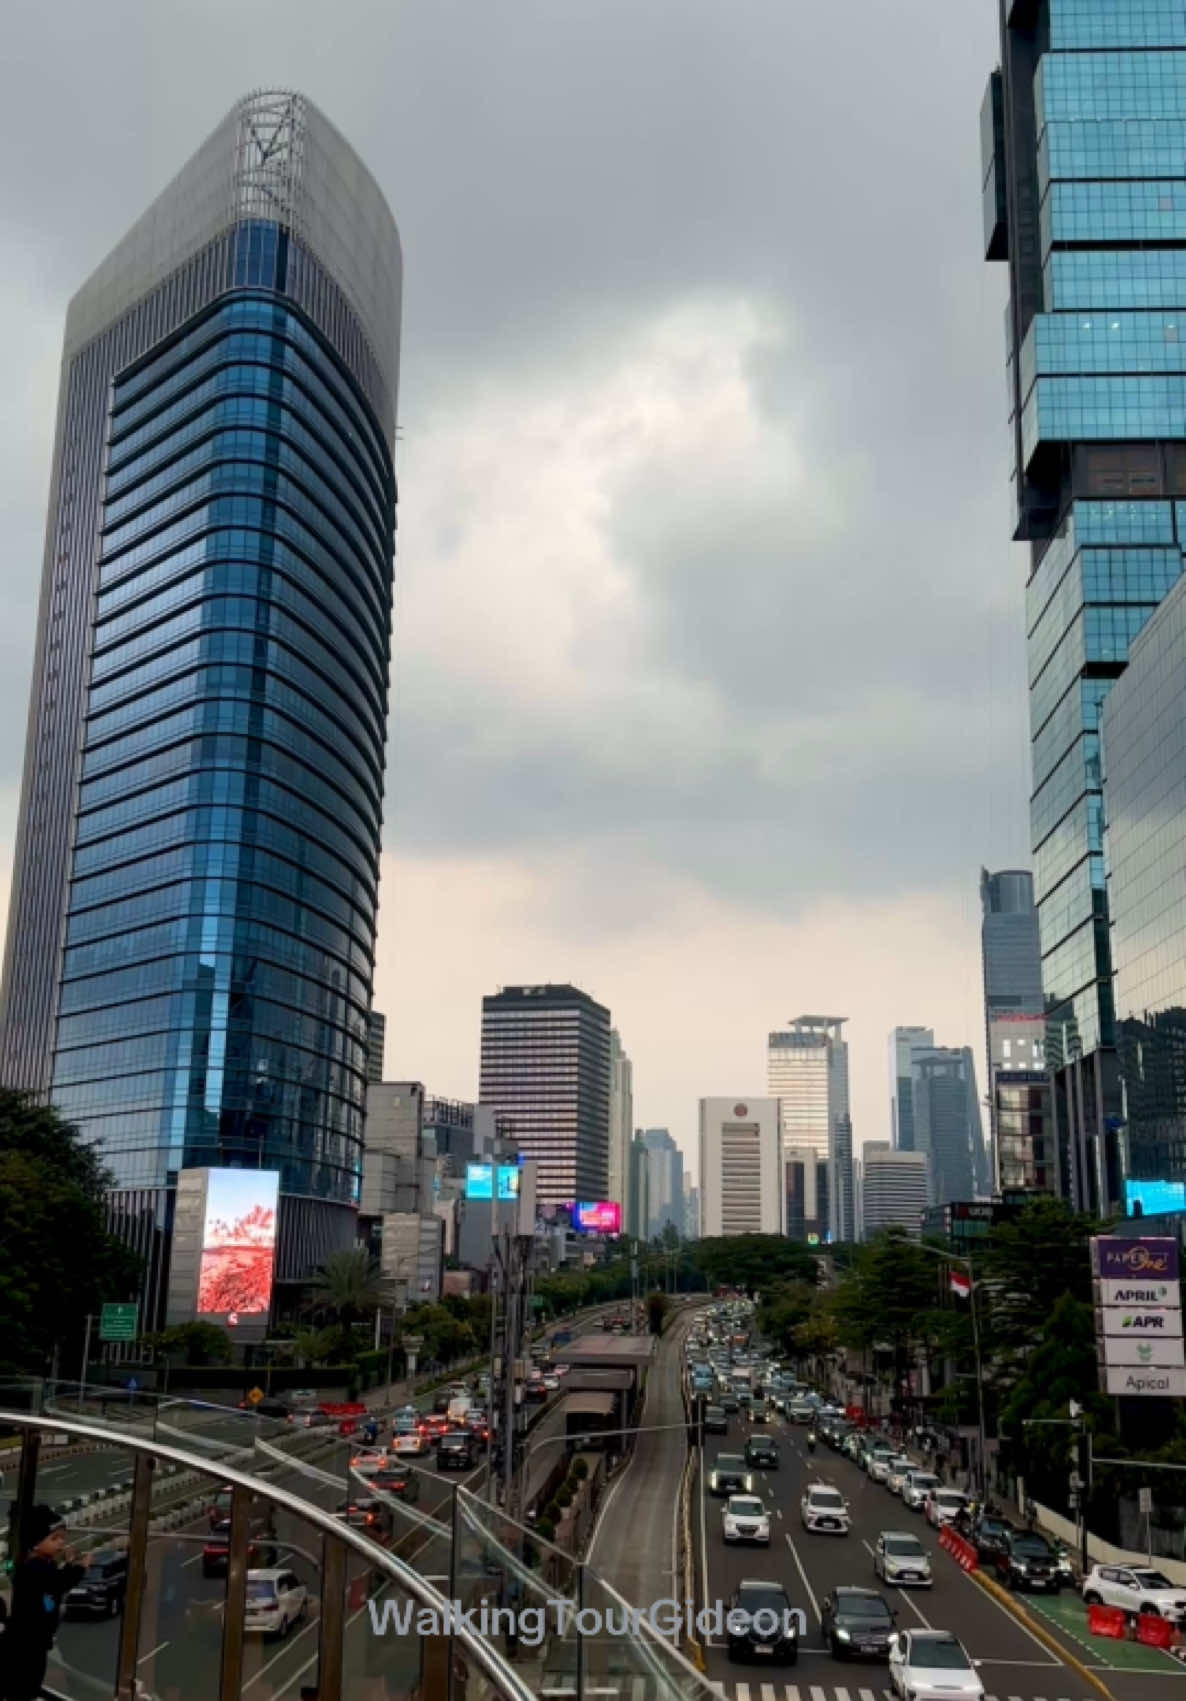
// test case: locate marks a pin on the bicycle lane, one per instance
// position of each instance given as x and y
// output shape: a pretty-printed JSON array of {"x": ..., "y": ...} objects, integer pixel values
[{"x": 1132, "y": 1671}]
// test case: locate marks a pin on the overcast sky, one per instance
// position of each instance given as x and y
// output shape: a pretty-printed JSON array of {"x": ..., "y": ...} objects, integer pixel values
[{"x": 709, "y": 673}]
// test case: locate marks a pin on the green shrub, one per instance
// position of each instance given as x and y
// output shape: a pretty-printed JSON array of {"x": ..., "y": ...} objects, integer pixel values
[
  {"x": 580, "y": 1469},
  {"x": 546, "y": 1528}
]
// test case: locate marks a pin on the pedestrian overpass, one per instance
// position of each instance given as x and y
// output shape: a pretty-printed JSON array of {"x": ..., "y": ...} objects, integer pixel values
[{"x": 427, "y": 1594}]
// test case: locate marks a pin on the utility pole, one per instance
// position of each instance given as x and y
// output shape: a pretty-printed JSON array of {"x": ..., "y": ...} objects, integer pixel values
[{"x": 510, "y": 1355}]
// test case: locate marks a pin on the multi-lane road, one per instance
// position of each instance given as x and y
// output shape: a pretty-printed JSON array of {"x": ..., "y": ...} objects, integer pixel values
[{"x": 1014, "y": 1664}]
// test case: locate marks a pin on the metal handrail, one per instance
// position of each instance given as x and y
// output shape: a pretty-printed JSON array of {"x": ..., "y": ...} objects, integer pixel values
[{"x": 490, "y": 1662}]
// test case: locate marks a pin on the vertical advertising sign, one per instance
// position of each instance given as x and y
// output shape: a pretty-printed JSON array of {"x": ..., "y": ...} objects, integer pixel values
[
  {"x": 1138, "y": 1316},
  {"x": 238, "y": 1245}
]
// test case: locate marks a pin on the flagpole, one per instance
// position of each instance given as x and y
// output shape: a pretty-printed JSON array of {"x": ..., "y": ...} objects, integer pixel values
[{"x": 959, "y": 1258}]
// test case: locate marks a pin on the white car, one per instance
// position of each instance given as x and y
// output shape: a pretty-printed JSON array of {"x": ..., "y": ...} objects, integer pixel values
[
  {"x": 878, "y": 1462},
  {"x": 745, "y": 1519},
  {"x": 943, "y": 1506},
  {"x": 932, "y": 1665},
  {"x": 1136, "y": 1588},
  {"x": 409, "y": 1443},
  {"x": 824, "y": 1508},
  {"x": 895, "y": 1476},
  {"x": 917, "y": 1486},
  {"x": 900, "y": 1559},
  {"x": 276, "y": 1600}
]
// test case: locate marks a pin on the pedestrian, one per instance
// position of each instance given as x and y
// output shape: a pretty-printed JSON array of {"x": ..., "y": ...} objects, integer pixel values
[{"x": 41, "y": 1577}]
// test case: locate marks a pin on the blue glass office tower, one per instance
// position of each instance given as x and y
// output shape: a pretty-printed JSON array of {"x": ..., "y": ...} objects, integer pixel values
[
  {"x": 1084, "y": 181},
  {"x": 192, "y": 931}
]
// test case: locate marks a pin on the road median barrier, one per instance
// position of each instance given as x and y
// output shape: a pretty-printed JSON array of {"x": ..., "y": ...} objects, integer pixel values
[{"x": 1005, "y": 1598}]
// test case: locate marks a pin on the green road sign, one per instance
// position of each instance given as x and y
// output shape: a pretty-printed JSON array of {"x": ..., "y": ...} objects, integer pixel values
[{"x": 119, "y": 1322}]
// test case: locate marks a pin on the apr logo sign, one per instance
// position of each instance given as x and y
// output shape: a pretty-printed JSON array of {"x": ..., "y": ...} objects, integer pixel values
[
  {"x": 1149, "y": 1322},
  {"x": 1127, "y": 1321}
]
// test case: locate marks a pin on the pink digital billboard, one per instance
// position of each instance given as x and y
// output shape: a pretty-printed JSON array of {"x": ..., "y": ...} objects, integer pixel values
[
  {"x": 238, "y": 1243},
  {"x": 603, "y": 1217}
]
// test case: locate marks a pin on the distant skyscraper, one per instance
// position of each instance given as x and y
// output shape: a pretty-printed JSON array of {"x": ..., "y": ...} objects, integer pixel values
[
  {"x": 894, "y": 1189},
  {"x": 621, "y": 1119},
  {"x": 192, "y": 928},
  {"x": 546, "y": 1073},
  {"x": 740, "y": 1190},
  {"x": 808, "y": 1210},
  {"x": 638, "y": 1189},
  {"x": 1082, "y": 194},
  {"x": 807, "y": 1071},
  {"x": 666, "y": 1192},
  {"x": 1144, "y": 748},
  {"x": 1011, "y": 960},
  {"x": 902, "y": 1042},
  {"x": 376, "y": 1044},
  {"x": 691, "y": 1209},
  {"x": 947, "y": 1122}
]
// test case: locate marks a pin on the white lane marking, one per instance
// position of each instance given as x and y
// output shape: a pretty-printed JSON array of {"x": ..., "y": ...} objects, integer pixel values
[
  {"x": 817, "y": 1693},
  {"x": 810, "y": 1591},
  {"x": 192, "y": 1561},
  {"x": 841, "y": 1693},
  {"x": 151, "y": 1652},
  {"x": 767, "y": 1692},
  {"x": 742, "y": 1693}
]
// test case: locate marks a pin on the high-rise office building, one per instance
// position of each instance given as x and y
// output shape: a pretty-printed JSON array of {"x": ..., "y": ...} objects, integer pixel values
[
  {"x": 666, "y": 1189},
  {"x": 691, "y": 1209},
  {"x": 740, "y": 1184},
  {"x": 621, "y": 1119},
  {"x": 545, "y": 1071},
  {"x": 1082, "y": 192},
  {"x": 1144, "y": 762},
  {"x": 376, "y": 1045},
  {"x": 1021, "y": 1140},
  {"x": 902, "y": 1042},
  {"x": 807, "y": 1071},
  {"x": 894, "y": 1189},
  {"x": 192, "y": 927},
  {"x": 806, "y": 1186},
  {"x": 638, "y": 1190},
  {"x": 947, "y": 1122}
]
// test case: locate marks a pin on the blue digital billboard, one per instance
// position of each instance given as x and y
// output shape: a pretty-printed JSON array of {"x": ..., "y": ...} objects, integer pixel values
[
  {"x": 1153, "y": 1196},
  {"x": 479, "y": 1181}
]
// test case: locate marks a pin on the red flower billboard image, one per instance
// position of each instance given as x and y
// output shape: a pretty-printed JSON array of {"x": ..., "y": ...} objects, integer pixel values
[{"x": 238, "y": 1242}]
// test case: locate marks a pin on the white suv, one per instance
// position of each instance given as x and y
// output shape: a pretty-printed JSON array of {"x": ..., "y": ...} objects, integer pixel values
[
  {"x": 276, "y": 1600},
  {"x": 824, "y": 1508},
  {"x": 1136, "y": 1588},
  {"x": 745, "y": 1519},
  {"x": 943, "y": 1506},
  {"x": 917, "y": 1486}
]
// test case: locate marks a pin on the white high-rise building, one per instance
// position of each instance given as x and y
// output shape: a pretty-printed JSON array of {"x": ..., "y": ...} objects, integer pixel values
[
  {"x": 740, "y": 1164},
  {"x": 807, "y": 1071},
  {"x": 894, "y": 1189},
  {"x": 621, "y": 1119}
]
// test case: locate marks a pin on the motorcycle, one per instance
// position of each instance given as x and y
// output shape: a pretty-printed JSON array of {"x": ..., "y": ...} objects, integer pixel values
[
  {"x": 811, "y": 1442},
  {"x": 1065, "y": 1565}
]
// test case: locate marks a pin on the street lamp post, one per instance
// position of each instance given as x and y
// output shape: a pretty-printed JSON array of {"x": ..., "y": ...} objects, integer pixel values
[{"x": 966, "y": 1262}]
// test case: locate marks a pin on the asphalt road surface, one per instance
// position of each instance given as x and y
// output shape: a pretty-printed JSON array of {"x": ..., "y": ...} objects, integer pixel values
[
  {"x": 1014, "y": 1665},
  {"x": 181, "y": 1630}
]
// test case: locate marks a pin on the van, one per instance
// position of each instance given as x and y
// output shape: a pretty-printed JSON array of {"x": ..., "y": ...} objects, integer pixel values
[{"x": 459, "y": 1407}]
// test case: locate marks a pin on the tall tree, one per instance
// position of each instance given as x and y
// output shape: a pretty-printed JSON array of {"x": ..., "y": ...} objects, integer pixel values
[{"x": 57, "y": 1260}]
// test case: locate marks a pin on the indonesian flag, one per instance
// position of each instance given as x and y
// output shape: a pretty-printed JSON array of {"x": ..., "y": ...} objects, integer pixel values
[{"x": 961, "y": 1285}]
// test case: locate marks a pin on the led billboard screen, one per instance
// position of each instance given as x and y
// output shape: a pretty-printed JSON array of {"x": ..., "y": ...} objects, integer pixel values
[
  {"x": 603, "y": 1217},
  {"x": 1153, "y": 1196},
  {"x": 479, "y": 1181},
  {"x": 238, "y": 1243}
]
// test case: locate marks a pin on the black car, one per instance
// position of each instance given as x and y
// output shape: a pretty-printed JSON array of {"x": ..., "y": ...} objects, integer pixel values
[
  {"x": 404, "y": 1484},
  {"x": 730, "y": 1403},
  {"x": 857, "y": 1622},
  {"x": 989, "y": 1536},
  {"x": 1028, "y": 1561},
  {"x": 457, "y": 1452},
  {"x": 368, "y": 1514},
  {"x": 261, "y": 1546},
  {"x": 757, "y": 1412},
  {"x": 716, "y": 1420},
  {"x": 729, "y": 1475},
  {"x": 761, "y": 1622},
  {"x": 101, "y": 1592},
  {"x": 762, "y": 1452}
]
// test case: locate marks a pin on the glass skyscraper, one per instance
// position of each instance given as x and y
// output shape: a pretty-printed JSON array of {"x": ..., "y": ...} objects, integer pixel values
[
  {"x": 1084, "y": 190},
  {"x": 192, "y": 931}
]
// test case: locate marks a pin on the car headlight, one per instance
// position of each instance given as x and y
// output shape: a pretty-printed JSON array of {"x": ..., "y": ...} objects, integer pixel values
[
  {"x": 1021, "y": 1565},
  {"x": 843, "y": 1636}
]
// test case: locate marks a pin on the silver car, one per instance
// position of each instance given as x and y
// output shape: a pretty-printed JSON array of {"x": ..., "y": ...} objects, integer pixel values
[
  {"x": 897, "y": 1473},
  {"x": 917, "y": 1486},
  {"x": 901, "y": 1560}
]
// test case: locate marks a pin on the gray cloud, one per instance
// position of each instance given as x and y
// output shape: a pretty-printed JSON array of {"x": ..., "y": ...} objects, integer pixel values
[{"x": 703, "y": 561}]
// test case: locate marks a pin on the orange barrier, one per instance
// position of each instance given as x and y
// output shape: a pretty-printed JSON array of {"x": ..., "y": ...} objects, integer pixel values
[
  {"x": 1154, "y": 1631},
  {"x": 961, "y": 1551},
  {"x": 1108, "y": 1621}
]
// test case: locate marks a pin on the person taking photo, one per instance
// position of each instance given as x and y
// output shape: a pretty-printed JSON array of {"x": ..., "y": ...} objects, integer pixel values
[{"x": 41, "y": 1577}]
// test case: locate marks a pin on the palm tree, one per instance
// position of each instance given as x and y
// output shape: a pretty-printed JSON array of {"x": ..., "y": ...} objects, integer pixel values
[{"x": 350, "y": 1287}]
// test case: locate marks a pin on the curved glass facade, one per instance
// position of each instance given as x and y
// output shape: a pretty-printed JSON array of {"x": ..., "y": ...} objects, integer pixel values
[{"x": 221, "y": 921}]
